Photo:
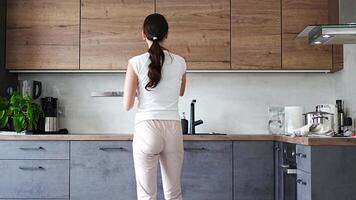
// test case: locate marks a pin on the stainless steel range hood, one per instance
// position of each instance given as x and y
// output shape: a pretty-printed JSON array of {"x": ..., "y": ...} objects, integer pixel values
[{"x": 342, "y": 30}]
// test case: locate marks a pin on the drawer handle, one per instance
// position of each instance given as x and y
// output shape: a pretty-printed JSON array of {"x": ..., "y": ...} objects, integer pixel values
[
  {"x": 284, "y": 166},
  {"x": 300, "y": 181},
  {"x": 112, "y": 149},
  {"x": 32, "y": 168},
  {"x": 31, "y": 148},
  {"x": 302, "y": 155},
  {"x": 195, "y": 149}
]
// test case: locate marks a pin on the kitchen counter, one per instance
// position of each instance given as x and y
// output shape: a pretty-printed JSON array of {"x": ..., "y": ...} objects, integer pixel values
[{"x": 232, "y": 137}]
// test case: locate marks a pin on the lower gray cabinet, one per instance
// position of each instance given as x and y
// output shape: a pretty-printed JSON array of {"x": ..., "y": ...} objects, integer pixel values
[
  {"x": 102, "y": 170},
  {"x": 37, "y": 179},
  {"x": 207, "y": 171},
  {"x": 253, "y": 170},
  {"x": 326, "y": 172}
]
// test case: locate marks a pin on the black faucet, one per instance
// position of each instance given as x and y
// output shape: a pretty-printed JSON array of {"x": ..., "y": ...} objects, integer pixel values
[{"x": 193, "y": 123}]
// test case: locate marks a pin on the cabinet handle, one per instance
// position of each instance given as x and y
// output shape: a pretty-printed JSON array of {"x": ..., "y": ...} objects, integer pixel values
[
  {"x": 32, "y": 168},
  {"x": 112, "y": 149},
  {"x": 277, "y": 148},
  {"x": 194, "y": 149},
  {"x": 300, "y": 181},
  {"x": 285, "y": 166},
  {"x": 302, "y": 155},
  {"x": 31, "y": 148}
]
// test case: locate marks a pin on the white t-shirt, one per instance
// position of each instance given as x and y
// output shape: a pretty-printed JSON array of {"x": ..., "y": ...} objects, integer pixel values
[{"x": 161, "y": 102}]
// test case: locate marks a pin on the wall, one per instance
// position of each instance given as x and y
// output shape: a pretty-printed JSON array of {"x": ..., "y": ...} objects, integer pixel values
[
  {"x": 345, "y": 86},
  {"x": 6, "y": 79},
  {"x": 227, "y": 102}
]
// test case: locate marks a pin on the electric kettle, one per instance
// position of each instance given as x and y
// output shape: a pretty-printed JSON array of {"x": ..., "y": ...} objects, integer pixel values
[{"x": 30, "y": 88}]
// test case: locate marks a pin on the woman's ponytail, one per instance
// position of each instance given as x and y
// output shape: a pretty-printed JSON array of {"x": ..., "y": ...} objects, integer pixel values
[{"x": 155, "y": 28}]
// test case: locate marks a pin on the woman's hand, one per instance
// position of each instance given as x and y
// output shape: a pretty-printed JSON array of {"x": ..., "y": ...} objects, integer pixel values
[{"x": 130, "y": 88}]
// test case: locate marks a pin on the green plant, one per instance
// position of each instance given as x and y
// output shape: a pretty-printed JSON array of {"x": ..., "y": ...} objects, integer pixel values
[
  {"x": 23, "y": 111},
  {"x": 3, "y": 115}
]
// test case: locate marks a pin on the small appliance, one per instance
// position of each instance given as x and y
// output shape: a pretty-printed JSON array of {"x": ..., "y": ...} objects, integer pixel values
[
  {"x": 30, "y": 88},
  {"x": 332, "y": 109},
  {"x": 293, "y": 119},
  {"x": 49, "y": 122}
]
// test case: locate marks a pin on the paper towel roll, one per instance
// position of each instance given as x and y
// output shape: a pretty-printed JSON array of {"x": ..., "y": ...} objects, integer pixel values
[{"x": 293, "y": 118}]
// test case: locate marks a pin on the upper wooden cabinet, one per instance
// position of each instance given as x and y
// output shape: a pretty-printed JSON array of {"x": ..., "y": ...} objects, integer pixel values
[
  {"x": 256, "y": 34},
  {"x": 298, "y": 54},
  {"x": 111, "y": 32},
  {"x": 199, "y": 30},
  {"x": 42, "y": 34}
]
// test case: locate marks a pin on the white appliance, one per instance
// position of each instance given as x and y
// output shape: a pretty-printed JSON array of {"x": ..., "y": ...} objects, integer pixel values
[
  {"x": 293, "y": 119},
  {"x": 330, "y": 108}
]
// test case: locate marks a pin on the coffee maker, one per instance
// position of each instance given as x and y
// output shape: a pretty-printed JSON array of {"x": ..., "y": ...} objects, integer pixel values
[
  {"x": 30, "y": 88},
  {"x": 49, "y": 121}
]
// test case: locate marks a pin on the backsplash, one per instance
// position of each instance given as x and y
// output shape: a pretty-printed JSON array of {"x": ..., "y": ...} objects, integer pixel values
[
  {"x": 345, "y": 85},
  {"x": 235, "y": 103}
]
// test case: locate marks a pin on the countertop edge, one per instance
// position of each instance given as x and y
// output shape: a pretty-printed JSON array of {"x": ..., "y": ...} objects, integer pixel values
[{"x": 315, "y": 141}]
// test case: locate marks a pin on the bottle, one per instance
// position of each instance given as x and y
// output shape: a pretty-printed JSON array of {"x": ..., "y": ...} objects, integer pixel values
[
  {"x": 184, "y": 123},
  {"x": 340, "y": 116}
]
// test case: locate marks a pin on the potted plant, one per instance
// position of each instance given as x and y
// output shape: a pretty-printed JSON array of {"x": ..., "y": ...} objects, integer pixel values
[
  {"x": 22, "y": 112},
  {"x": 3, "y": 115}
]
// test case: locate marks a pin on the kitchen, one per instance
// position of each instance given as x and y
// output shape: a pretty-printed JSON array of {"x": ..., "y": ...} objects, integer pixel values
[{"x": 234, "y": 84}]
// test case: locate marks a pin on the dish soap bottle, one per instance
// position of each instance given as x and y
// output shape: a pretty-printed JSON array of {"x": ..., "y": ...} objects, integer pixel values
[{"x": 184, "y": 123}]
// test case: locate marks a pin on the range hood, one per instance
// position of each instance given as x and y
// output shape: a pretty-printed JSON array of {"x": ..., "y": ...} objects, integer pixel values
[{"x": 342, "y": 30}]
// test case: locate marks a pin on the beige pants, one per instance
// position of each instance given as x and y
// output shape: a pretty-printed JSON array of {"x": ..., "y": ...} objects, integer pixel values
[{"x": 158, "y": 140}]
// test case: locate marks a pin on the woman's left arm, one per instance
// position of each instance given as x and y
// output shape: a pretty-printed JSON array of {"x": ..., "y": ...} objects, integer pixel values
[{"x": 130, "y": 88}]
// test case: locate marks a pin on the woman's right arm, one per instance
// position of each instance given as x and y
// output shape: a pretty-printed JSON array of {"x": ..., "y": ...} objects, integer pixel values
[
  {"x": 183, "y": 84},
  {"x": 130, "y": 88}
]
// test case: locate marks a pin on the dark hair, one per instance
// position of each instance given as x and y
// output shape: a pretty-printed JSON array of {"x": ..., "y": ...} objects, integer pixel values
[{"x": 155, "y": 27}]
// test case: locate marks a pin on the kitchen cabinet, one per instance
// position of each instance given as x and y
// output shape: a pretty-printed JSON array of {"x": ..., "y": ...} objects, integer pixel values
[
  {"x": 256, "y": 34},
  {"x": 102, "y": 170},
  {"x": 325, "y": 172},
  {"x": 199, "y": 31},
  {"x": 253, "y": 170},
  {"x": 34, "y": 150},
  {"x": 34, "y": 179},
  {"x": 42, "y": 34},
  {"x": 111, "y": 32},
  {"x": 298, "y": 53},
  {"x": 207, "y": 171},
  {"x": 34, "y": 170},
  {"x": 6, "y": 79}
]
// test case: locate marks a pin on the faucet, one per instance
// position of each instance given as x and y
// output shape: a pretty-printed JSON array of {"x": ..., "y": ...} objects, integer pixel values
[{"x": 193, "y": 123}]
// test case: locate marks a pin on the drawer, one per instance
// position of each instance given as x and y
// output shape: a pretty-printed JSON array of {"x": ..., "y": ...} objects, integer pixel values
[
  {"x": 34, "y": 150},
  {"x": 34, "y": 179},
  {"x": 303, "y": 157},
  {"x": 102, "y": 170},
  {"x": 303, "y": 185}
]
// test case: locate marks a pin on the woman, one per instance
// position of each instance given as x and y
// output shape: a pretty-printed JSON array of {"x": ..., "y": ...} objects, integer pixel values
[{"x": 159, "y": 78}]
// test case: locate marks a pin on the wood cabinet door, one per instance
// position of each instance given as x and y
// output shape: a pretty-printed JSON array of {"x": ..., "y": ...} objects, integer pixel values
[
  {"x": 298, "y": 54},
  {"x": 42, "y": 34},
  {"x": 255, "y": 34},
  {"x": 111, "y": 32},
  {"x": 199, "y": 30}
]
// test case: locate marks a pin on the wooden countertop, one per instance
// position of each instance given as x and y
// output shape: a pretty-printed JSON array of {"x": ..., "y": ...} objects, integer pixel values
[{"x": 229, "y": 137}]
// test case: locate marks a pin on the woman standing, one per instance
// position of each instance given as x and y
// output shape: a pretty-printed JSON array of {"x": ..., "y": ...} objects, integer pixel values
[{"x": 158, "y": 77}]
